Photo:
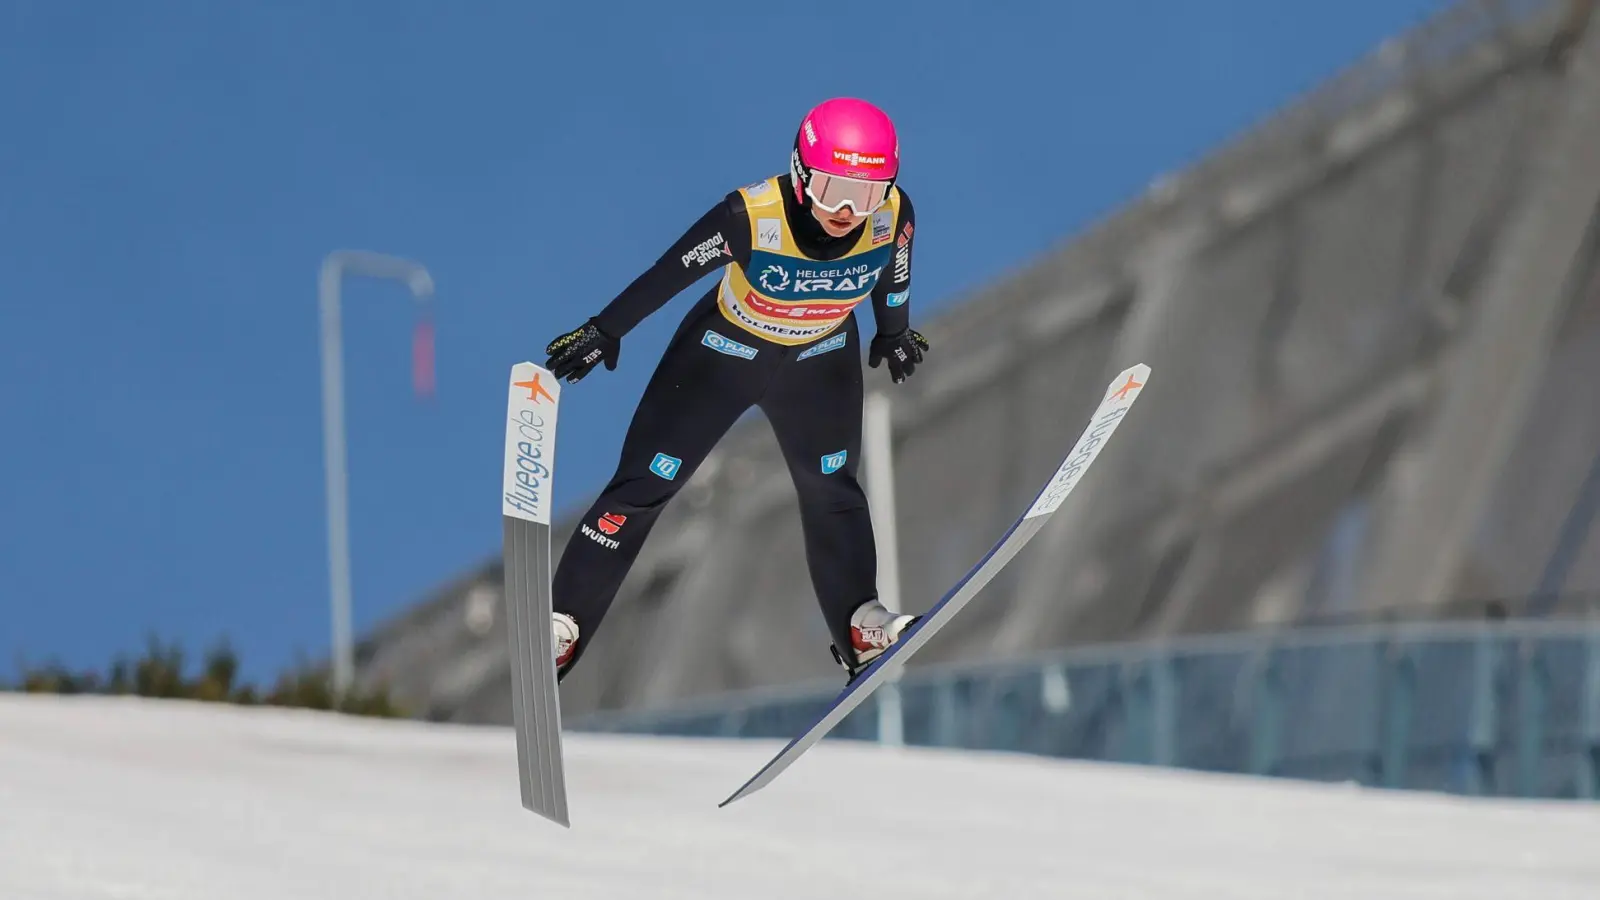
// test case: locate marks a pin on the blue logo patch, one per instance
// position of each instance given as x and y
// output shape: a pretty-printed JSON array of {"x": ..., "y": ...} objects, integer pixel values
[
  {"x": 832, "y": 343},
  {"x": 900, "y": 298},
  {"x": 666, "y": 466},
  {"x": 789, "y": 278},
  {"x": 723, "y": 345},
  {"x": 833, "y": 462}
]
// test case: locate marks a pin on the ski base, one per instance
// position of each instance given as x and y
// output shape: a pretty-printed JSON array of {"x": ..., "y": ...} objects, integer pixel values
[{"x": 1119, "y": 398}]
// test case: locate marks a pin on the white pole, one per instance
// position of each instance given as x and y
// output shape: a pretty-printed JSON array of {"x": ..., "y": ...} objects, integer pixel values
[
  {"x": 332, "y": 275},
  {"x": 878, "y": 461}
]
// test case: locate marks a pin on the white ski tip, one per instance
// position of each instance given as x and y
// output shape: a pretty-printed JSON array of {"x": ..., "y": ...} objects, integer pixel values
[
  {"x": 533, "y": 398},
  {"x": 1127, "y": 384},
  {"x": 1119, "y": 397}
]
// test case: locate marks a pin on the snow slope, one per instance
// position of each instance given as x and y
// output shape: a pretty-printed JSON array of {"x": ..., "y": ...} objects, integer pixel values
[{"x": 134, "y": 799}]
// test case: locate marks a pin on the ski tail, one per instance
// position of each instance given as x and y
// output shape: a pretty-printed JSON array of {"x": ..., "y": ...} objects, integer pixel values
[
  {"x": 1114, "y": 406},
  {"x": 531, "y": 407}
]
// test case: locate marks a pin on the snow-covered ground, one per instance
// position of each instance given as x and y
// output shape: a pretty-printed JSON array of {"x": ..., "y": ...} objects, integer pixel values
[{"x": 134, "y": 799}]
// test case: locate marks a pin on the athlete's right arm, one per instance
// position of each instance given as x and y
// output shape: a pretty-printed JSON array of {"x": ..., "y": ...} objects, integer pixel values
[{"x": 721, "y": 236}]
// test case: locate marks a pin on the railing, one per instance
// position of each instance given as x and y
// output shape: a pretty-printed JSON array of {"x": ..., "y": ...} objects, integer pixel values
[{"x": 1491, "y": 708}]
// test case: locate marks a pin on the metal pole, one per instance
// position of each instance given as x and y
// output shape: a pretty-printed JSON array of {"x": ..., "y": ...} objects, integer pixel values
[
  {"x": 879, "y": 465},
  {"x": 334, "y": 266}
]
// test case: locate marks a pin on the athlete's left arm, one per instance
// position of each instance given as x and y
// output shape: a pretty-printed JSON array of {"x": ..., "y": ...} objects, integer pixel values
[{"x": 891, "y": 296}]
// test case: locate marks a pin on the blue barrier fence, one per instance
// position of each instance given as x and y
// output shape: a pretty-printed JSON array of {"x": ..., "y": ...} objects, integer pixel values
[{"x": 1491, "y": 708}]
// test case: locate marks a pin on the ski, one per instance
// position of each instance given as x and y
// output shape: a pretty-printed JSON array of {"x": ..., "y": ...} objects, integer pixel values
[
  {"x": 1118, "y": 399},
  {"x": 531, "y": 406}
]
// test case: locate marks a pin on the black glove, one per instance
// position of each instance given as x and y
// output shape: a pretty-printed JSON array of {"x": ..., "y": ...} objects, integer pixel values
[
  {"x": 573, "y": 354},
  {"x": 903, "y": 351}
]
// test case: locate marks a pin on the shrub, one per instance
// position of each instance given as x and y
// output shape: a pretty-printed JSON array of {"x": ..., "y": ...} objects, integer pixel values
[{"x": 160, "y": 673}]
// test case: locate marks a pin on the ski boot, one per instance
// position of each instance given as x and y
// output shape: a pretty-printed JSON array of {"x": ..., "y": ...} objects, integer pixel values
[
  {"x": 872, "y": 630},
  {"x": 566, "y": 634}
]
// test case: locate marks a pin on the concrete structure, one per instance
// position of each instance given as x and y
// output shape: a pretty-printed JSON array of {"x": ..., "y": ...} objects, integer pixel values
[{"x": 1373, "y": 323}]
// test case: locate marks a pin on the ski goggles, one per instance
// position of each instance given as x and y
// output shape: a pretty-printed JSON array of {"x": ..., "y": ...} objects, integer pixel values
[{"x": 832, "y": 193}]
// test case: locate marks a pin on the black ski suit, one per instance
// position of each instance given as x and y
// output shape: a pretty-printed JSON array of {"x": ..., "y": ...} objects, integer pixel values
[{"x": 712, "y": 372}]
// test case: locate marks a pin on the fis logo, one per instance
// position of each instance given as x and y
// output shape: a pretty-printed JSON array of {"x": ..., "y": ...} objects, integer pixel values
[
  {"x": 833, "y": 462},
  {"x": 769, "y": 234},
  {"x": 832, "y": 343},
  {"x": 723, "y": 345}
]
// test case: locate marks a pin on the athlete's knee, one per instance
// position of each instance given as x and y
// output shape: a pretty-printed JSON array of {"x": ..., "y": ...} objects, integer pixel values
[
  {"x": 839, "y": 492},
  {"x": 646, "y": 488}
]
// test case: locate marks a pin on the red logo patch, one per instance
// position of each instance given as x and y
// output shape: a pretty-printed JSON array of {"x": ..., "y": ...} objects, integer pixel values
[
  {"x": 905, "y": 235},
  {"x": 611, "y": 523},
  {"x": 793, "y": 311},
  {"x": 857, "y": 160}
]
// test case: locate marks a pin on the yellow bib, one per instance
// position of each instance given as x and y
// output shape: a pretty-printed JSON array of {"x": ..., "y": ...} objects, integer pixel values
[{"x": 786, "y": 297}]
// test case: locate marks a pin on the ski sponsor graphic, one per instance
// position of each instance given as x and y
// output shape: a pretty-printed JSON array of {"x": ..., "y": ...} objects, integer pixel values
[
  {"x": 882, "y": 226},
  {"x": 1119, "y": 397},
  {"x": 530, "y": 443},
  {"x": 900, "y": 298},
  {"x": 833, "y": 462},
  {"x": 530, "y": 450},
  {"x": 666, "y": 466},
  {"x": 537, "y": 392},
  {"x": 1118, "y": 400},
  {"x": 727, "y": 345},
  {"x": 707, "y": 250},
  {"x": 832, "y": 343}
]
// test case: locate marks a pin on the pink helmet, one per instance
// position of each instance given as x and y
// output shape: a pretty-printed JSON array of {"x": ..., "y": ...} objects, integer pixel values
[{"x": 845, "y": 153}]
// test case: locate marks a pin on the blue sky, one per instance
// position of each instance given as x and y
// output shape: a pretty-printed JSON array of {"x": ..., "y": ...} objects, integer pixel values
[{"x": 172, "y": 173}]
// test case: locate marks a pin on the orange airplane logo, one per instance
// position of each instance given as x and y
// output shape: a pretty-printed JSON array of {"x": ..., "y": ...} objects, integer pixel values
[
  {"x": 535, "y": 389},
  {"x": 1131, "y": 385}
]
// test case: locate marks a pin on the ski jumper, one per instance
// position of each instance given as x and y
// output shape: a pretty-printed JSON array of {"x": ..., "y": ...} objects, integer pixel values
[{"x": 777, "y": 331}]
